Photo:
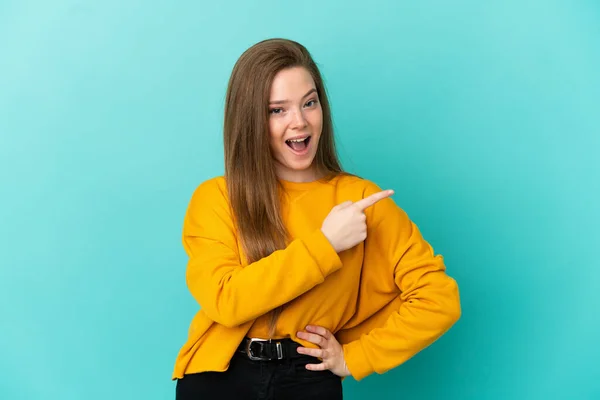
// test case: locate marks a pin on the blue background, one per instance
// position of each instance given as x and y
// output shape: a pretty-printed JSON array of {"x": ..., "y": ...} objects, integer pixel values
[{"x": 483, "y": 116}]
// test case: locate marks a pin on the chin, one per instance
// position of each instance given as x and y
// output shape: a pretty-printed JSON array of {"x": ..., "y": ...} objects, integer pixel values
[{"x": 300, "y": 166}]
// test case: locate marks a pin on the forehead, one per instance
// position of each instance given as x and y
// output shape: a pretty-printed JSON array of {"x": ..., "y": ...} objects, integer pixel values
[{"x": 291, "y": 83}]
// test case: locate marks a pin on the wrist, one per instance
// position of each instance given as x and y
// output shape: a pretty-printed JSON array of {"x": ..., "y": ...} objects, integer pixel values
[
  {"x": 329, "y": 240},
  {"x": 346, "y": 370}
]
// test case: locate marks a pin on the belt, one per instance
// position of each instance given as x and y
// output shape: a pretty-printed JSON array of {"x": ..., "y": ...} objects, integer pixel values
[{"x": 269, "y": 349}]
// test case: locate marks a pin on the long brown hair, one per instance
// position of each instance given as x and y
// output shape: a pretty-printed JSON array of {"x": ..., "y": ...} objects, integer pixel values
[{"x": 253, "y": 187}]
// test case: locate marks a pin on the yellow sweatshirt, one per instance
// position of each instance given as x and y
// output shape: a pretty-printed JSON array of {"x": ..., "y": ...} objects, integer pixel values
[{"x": 385, "y": 299}]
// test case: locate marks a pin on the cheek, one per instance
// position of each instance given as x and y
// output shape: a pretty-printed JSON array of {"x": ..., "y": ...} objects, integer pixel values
[
  {"x": 316, "y": 120},
  {"x": 275, "y": 132}
]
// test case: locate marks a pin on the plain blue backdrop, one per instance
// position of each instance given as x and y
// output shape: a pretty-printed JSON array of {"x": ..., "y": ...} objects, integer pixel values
[{"x": 483, "y": 116}]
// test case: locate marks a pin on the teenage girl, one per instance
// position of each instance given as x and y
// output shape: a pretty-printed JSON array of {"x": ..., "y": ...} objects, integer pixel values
[{"x": 304, "y": 273}]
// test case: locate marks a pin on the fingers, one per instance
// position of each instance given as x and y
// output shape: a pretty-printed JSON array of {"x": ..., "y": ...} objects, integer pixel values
[
  {"x": 318, "y": 353},
  {"x": 313, "y": 338},
  {"x": 319, "y": 338},
  {"x": 372, "y": 199},
  {"x": 330, "y": 351},
  {"x": 366, "y": 202},
  {"x": 316, "y": 367},
  {"x": 342, "y": 205},
  {"x": 319, "y": 330}
]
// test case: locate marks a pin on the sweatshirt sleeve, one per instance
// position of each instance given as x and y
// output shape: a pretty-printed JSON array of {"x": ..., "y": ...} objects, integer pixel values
[
  {"x": 429, "y": 303},
  {"x": 231, "y": 293}
]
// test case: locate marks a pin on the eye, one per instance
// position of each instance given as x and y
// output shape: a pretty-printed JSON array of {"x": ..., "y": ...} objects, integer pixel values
[
  {"x": 311, "y": 103},
  {"x": 275, "y": 111}
]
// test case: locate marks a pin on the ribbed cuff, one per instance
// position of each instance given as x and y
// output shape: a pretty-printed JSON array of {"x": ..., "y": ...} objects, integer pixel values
[
  {"x": 356, "y": 360},
  {"x": 323, "y": 253}
]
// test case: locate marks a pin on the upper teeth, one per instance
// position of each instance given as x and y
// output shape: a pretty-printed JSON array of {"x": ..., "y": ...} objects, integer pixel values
[{"x": 297, "y": 140}]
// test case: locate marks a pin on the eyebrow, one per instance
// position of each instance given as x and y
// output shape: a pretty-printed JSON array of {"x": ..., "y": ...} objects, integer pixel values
[{"x": 313, "y": 90}]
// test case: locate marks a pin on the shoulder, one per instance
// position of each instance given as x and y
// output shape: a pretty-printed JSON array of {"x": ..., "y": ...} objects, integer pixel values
[
  {"x": 356, "y": 185},
  {"x": 208, "y": 213},
  {"x": 210, "y": 194},
  {"x": 212, "y": 186},
  {"x": 212, "y": 189}
]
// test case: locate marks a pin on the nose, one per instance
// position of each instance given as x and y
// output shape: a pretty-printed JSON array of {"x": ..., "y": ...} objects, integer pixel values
[{"x": 298, "y": 120}]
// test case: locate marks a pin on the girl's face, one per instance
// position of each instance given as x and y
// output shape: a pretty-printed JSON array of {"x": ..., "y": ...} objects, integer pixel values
[{"x": 295, "y": 124}]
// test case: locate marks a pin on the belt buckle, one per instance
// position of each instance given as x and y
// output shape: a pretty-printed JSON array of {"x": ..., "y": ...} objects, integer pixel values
[{"x": 252, "y": 357}]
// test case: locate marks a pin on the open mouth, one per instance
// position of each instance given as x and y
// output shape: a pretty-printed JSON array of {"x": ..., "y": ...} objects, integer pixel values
[{"x": 298, "y": 145}]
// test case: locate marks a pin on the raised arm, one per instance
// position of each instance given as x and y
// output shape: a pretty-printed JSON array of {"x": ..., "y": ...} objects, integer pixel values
[{"x": 230, "y": 293}]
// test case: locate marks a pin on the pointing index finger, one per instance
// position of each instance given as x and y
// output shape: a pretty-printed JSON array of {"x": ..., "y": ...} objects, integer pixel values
[{"x": 372, "y": 199}]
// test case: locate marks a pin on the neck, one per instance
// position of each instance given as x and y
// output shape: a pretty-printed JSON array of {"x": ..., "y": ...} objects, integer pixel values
[{"x": 308, "y": 175}]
